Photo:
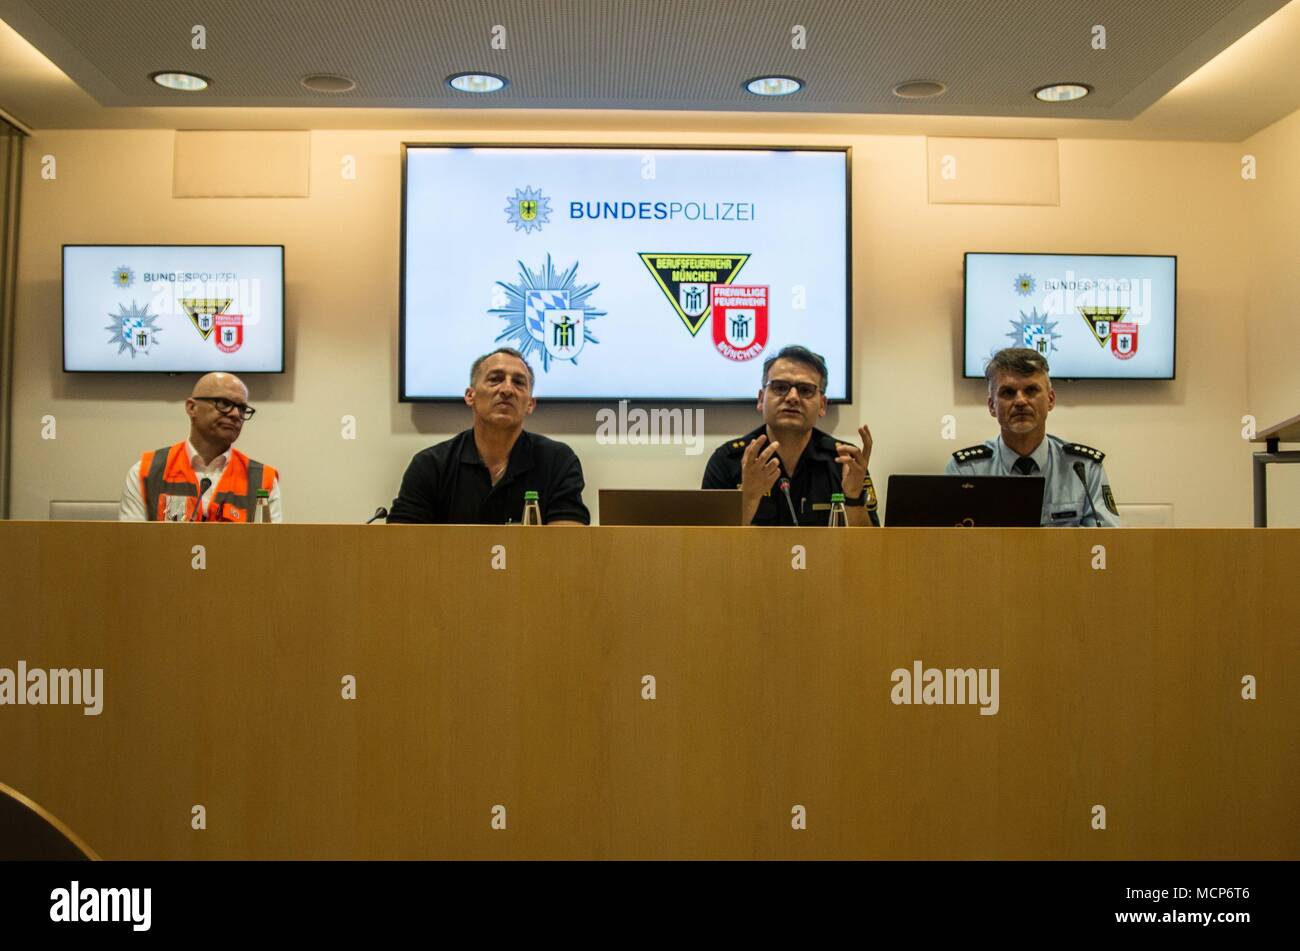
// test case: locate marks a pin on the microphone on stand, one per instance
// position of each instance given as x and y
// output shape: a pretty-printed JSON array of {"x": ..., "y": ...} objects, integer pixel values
[
  {"x": 204, "y": 485},
  {"x": 784, "y": 485},
  {"x": 1078, "y": 470}
]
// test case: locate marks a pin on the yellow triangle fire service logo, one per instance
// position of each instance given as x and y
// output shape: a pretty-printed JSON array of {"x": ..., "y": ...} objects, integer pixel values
[
  {"x": 1100, "y": 320},
  {"x": 203, "y": 312},
  {"x": 686, "y": 280}
]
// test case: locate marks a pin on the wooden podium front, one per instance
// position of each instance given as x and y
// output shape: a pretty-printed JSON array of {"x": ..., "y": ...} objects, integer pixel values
[{"x": 500, "y": 680}]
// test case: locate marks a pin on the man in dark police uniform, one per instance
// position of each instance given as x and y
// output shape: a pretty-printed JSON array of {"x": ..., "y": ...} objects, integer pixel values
[
  {"x": 786, "y": 468},
  {"x": 480, "y": 475}
]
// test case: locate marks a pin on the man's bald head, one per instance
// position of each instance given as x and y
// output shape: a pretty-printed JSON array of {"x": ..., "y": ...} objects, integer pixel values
[{"x": 221, "y": 384}]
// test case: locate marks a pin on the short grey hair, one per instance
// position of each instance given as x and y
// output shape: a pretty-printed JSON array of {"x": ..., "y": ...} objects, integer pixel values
[
  {"x": 474, "y": 368},
  {"x": 797, "y": 354},
  {"x": 1018, "y": 360}
]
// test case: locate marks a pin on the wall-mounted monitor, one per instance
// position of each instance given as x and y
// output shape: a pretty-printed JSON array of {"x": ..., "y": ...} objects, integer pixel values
[
  {"x": 173, "y": 308},
  {"x": 638, "y": 273},
  {"x": 1093, "y": 316}
]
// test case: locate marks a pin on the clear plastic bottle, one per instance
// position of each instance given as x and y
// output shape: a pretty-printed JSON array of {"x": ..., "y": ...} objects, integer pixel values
[
  {"x": 532, "y": 509},
  {"x": 263, "y": 511},
  {"x": 839, "y": 517}
]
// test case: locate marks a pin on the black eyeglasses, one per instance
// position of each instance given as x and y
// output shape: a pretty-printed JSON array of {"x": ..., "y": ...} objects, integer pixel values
[
  {"x": 224, "y": 406},
  {"x": 781, "y": 388}
]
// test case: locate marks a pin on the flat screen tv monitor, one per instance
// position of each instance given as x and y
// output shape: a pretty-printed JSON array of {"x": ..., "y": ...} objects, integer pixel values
[
  {"x": 173, "y": 308},
  {"x": 1093, "y": 316},
  {"x": 623, "y": 273}
]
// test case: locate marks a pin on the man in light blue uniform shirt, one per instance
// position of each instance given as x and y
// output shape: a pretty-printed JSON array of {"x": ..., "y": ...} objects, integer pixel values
[{"x": 1076, "y": 490}]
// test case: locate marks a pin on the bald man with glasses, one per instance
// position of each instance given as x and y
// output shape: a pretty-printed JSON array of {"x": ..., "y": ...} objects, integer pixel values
[{"x": 203, "y": 478}]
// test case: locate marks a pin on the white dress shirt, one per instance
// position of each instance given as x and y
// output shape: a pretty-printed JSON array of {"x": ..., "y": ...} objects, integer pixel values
[{"x": 131, "y": 508}]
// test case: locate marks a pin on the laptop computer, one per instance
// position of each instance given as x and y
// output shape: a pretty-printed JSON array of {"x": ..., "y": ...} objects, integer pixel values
[
  {"x": 670, "y": 506},
  {"x": 965, "y": 501}
]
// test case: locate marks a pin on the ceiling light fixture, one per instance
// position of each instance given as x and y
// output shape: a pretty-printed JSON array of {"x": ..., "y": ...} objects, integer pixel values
[
  {"x": 185, "y": 82},
  {"x": 476, "y": 82},
  {"x": 1062, "y": 92},
  {"x": 919, "y": 89},
  {"x": 328, "y": 82},
  {"x": 774, "y": 85}
]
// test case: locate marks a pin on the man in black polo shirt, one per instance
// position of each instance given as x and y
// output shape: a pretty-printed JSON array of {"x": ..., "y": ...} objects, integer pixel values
[
  {"x": 480, "y": 476},
  {"x": 786, "y": 468}
]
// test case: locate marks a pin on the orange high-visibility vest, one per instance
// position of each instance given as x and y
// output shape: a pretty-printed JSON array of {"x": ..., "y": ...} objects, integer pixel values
[{"x": 167, "y": 477}]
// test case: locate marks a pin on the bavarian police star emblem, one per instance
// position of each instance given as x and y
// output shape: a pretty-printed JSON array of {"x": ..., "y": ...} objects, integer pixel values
[
  {"x": 1035, "y": 331},
  {"x": 548, "y": 313},
  {"x": 135, "y": 329}
]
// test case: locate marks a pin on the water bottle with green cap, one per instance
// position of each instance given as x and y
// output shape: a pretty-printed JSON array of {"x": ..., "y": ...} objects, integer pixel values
[
  {"x": 839, "y": 517},
  {"x": 263, "y": 511},
  {"x": 532, "y": 509}
]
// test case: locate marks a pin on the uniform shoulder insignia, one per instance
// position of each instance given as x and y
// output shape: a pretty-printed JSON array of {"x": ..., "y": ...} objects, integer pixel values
[
  {"x": 1078, "y": 449},
  {"x": 971, "y": 453}
]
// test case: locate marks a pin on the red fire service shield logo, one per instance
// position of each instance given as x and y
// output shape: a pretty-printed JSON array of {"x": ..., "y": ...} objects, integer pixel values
[
  {"x": 1123, "y": 340},
  {"x": 739, "y": 320},
  {"x": 230, "y": 332}
]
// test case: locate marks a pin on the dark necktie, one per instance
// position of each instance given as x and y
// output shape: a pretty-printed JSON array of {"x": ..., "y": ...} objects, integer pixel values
[{"x": 1025, "y": 465}]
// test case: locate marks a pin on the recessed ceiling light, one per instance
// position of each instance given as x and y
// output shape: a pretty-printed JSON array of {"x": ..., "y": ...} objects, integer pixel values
[
  {"x": 328, "y": 82},
  {"x": 919, "y": 89},
  {"x": 774, "y": 85},
  {"x": 185, "y": 82},
  {"x": 476, "y": 82},
  {"x": 1062, "y": 92}
]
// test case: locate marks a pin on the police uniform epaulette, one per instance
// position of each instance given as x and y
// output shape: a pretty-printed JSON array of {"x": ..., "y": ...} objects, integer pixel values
[
  {"x": 737, "y": 446},
  {"x": 1078, "y": 449},
  {"x": 970, "y": 453}
]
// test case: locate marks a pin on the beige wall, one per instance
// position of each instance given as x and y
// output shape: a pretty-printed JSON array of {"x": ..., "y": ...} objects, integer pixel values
[
  {"x": 1177, "y": 442},
  {"x": 1273, "y": 296}
]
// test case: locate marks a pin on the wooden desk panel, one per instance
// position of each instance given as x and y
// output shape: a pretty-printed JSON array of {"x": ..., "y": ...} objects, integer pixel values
[
  {"x": 1286, "y": 431},
  {"x": 522, "y": 687}
]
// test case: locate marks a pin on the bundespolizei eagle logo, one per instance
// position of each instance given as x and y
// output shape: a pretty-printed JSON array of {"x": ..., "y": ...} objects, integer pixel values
[
  {"x": 548, "y": 313},
  {"x": 528, "y": 209}
]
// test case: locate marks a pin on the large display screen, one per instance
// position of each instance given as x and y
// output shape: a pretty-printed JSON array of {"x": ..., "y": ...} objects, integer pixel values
[
  {"x": 1093, "y": 316},
  {"x": 173, "y": 308},
  {"x": 623, "y": 273}
]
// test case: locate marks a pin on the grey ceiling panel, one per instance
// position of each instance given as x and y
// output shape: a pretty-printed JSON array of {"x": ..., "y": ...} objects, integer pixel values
[{"x": 652, "y": 54}]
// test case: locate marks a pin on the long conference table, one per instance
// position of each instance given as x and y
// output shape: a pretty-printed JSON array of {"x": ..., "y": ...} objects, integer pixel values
[{"x": 319, "y": 691}]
